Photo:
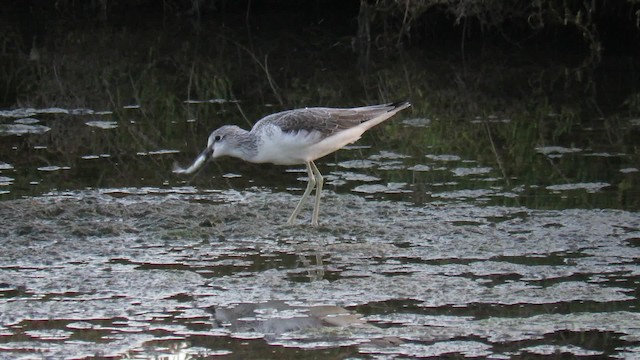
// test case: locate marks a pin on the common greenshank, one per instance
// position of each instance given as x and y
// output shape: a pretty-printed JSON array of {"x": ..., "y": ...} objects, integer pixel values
[{"x": 294, "y": 137}]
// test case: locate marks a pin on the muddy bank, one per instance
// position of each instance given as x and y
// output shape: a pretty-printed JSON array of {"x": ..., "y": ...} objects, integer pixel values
[{"x": 141, "y": 272}]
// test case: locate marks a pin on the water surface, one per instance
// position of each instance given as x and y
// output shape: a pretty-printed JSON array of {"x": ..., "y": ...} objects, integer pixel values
[{"x": 493, "y": 219}]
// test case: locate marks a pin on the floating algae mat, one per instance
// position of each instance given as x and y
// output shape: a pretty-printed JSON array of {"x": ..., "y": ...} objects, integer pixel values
[{"x": 143, "y": 272}]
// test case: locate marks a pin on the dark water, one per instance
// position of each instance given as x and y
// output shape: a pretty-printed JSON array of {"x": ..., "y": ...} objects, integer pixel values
[{"x": 495, "y": 218}]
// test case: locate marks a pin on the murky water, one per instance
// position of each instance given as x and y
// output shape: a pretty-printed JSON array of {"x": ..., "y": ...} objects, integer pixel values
[
  {"x": 157, "y": 272},
  {"x": 505, "y": 231}
]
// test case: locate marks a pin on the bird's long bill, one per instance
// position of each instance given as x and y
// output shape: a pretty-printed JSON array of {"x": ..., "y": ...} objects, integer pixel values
[{"x": 197, "y": 163}]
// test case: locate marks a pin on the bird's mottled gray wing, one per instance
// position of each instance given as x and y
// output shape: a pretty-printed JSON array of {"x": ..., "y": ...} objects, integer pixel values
[
  {"x": 324, "y": 120},
  {"x": 327, "y": 121}
]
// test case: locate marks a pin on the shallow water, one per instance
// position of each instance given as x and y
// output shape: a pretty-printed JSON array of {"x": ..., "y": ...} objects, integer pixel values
[
  {"x": 145, "y": 273},
  {"x": 479, "y": 223}
]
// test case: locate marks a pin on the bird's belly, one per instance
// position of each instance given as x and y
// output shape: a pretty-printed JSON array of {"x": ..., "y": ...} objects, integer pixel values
[
  {"x": 285, "y": 148},
  {"x": 303, "y": 146}
]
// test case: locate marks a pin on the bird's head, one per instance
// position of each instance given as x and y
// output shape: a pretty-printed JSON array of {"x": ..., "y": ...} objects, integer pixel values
[{"x": 222, "y": 142}]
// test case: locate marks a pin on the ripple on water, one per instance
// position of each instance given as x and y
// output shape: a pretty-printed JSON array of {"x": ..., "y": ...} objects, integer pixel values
[
  {"x": 556, "y": 151},
  {"x": 358, "y": 164},
  {"x": 444, "y": 157},
  {"x": 471, "y": 349},
  {"x": 419, "y": 167},
  {"x": 588, "y": 187},
  {"x": 464, "y": 194},
  {"x": 388, "y": 155},
  {"x": 354, "y": 176},
  {"x": 22, "y": 129},
  {"x": 27, "y": 121},
  {"x": 52, "y": 168},
  {"x": 93, "y": 157},
  {"x": 417, "y": 122},
  {"x": 560, "y": 349},
  {"x": 463, "y": 171},
  {"x": 390, "y": 188},
  {"x": 102, "y": 124},
  {"x": 49, "y": 334},
  {"x": 158, "y": 152},
  {"x": 629, "y": 170}
]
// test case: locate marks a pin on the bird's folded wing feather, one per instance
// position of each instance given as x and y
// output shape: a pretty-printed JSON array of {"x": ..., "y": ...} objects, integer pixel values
[{"x": 327, "y": 121}]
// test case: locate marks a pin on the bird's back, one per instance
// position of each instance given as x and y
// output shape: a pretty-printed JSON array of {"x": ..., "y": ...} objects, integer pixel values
[{"x": 326, "y": 121}]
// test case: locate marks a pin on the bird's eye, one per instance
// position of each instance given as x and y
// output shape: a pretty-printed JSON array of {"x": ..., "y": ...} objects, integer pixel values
[{"x": 217, "y": 138}]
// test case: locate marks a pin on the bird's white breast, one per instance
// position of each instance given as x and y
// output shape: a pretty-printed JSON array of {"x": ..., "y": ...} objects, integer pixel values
[
  {"x": 285, "y": 148},
  {"x": 292, "y": 148}
]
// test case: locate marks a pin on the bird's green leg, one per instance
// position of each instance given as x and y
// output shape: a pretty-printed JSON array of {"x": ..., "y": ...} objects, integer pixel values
[
  {"x": 310, "y": 185},
  {"x": 319, "y": 180}
]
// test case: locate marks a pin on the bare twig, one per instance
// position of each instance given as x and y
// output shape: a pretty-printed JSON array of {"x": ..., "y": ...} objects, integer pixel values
[
  {"x": 495, "y": 153},
  {"x": 264, "y": 66}
]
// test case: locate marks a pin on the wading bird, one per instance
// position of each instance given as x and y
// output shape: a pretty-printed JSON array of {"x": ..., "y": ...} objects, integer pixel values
[{"x": 293, "y": 137}]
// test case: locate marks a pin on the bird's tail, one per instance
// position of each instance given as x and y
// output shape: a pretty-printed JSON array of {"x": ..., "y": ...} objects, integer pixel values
[
  {"x": 388, "y": 111},
  {"x": 399, "y": 105}
]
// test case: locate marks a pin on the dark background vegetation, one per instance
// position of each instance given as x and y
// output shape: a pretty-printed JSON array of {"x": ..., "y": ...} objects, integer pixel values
[
  {"x": 587, "y": 28},
  {"x": 370, "y": 30},
  {"x": 601, "y": 25}
]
